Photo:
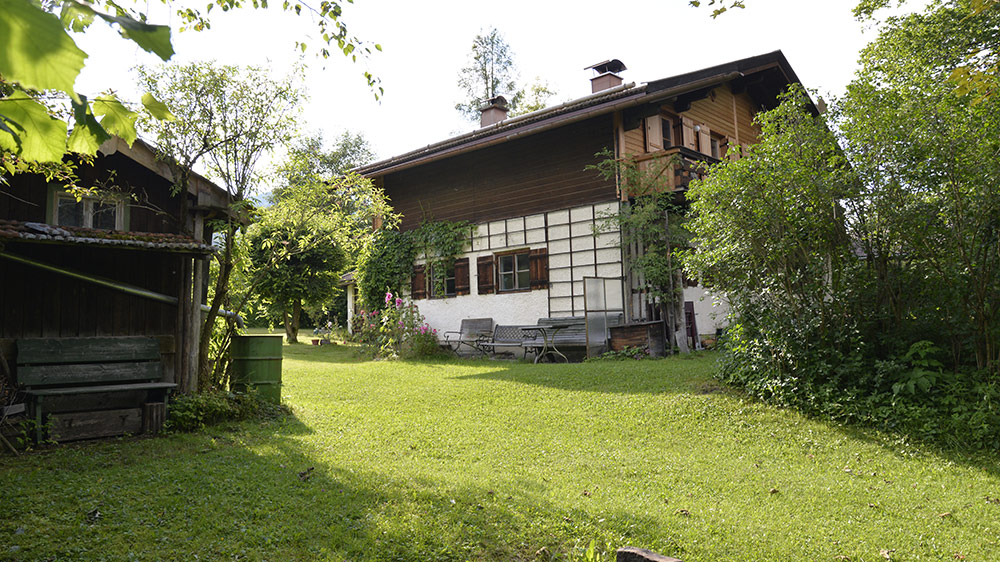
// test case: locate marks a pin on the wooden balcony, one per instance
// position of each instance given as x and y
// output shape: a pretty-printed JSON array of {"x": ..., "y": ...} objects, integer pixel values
[{"x": 686, "y": 164}]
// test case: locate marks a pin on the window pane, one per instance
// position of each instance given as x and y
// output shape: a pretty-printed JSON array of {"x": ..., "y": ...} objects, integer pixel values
[
  {"x": 449, "y": 286},
  {"x": 523, "y": 280},
  {"x": 667, "y": 130},
  {"x": 70, "y": 212},
  {"x": 506, "y": 264},
  {"x": 523, "y": 262},
  {"x": 104, "y": 215},
  {"x": 507, "y": 282}
]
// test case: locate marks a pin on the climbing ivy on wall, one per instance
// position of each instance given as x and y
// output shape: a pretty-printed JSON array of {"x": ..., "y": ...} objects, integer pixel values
[{"x": 386, "y": 262}]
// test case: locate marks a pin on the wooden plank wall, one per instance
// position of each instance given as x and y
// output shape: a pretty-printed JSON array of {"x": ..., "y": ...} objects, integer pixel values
[
  {"x": 717, "y": 112},
  {"x": 36, "y": 303},
  {"x": 714, "y": 111},
  {"x": 26, "y": 198},
  {"x": 517, "y": 178}
]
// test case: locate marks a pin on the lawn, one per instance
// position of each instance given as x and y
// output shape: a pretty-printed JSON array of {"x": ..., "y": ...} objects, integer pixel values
[{"x": 484, "y": 460}]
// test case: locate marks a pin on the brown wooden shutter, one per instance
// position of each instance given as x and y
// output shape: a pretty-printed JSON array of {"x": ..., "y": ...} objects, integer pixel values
[
  {"x": 484, "y": 268},
  {"x": 418, "y": 289},
  {"x": 462, "y": 276},
  {"x": 539, "y": 268}
]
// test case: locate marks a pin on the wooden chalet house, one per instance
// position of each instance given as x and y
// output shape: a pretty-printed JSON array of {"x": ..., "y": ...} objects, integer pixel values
[
  {"x": 102, "y": 291},
  {"x": 524, "y": 183}
]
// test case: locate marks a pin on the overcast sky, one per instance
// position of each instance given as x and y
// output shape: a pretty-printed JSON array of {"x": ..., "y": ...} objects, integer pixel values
[{"x": 426, "y": 43}]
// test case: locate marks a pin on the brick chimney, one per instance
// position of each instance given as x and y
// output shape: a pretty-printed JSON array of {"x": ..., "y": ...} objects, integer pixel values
[
  {"x": 494, "y": 111},
  {"x": 607, "y": 75}
]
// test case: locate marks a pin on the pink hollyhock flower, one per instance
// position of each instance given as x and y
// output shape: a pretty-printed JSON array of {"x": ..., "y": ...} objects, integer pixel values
[
  {"x": 399, "y": 303},
  {"x": 388, "y": 297}
]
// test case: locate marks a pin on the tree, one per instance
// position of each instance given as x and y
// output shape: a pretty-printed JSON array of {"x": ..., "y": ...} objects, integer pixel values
[
  {"x": 297, "y": 256},
  {"x": 38, "y": 54},
  {"x": 491, "y": 72},
  {"x": 320, "y": 213},
  {"x": 926, "y": 151},
  {"x": 769, "y": 235},
  {"x": 532, "y": 98},
  {"x": 308, "y": 158},
  {"x": 230, "y": 116}
]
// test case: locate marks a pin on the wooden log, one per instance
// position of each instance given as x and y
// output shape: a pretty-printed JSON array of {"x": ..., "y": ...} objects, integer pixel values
[{"x": 633, "y": 554}]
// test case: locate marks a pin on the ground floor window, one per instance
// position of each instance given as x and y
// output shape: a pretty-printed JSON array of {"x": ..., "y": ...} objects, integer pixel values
[{"x": 515, "y": 271}]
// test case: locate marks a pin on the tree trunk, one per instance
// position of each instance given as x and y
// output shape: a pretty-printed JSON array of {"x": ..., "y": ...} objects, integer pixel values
[
  {"x": 221, "y": 287},
  {"x": 292, "y": 322}
]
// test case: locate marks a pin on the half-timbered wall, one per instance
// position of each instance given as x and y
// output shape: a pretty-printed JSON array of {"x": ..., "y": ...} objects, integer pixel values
[{"x": 577, "y": 247}]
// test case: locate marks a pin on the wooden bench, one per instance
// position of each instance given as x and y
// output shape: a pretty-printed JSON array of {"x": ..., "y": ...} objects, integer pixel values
[
  {"x": 81, "y": 388},
  {"x": 473, "y": 332}
]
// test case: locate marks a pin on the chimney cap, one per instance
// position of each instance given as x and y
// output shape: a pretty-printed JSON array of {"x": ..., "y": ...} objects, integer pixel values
[
  {"x": 498, "y": 101},
  {"x": 613, "y": 65}
]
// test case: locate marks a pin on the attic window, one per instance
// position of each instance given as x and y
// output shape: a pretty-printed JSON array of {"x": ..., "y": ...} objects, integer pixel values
[
  {"x": 667, "y": 128},
  {"x": 89, "y": 212}
]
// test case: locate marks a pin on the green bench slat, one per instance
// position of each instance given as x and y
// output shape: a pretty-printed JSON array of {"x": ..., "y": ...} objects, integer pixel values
[
  {"x": 87, "y": 350},
  {"x": 88, "y": 373},
  {"x": 99, "y": 388}
]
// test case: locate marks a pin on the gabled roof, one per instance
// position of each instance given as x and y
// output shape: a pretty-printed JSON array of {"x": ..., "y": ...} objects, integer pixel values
[{"x": 762, "y": 77}]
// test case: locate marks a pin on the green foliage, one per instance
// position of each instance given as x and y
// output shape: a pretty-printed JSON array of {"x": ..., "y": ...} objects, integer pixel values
[
  {"x": 37, "y": 54},
  {"x": 439, "y": 243},
  {"x": 720, "y": 7},
  {"x": 396, "y": 330},
  {"x": 491, "y": 72},
  {"x": 869, "y": 293},
  {"x": 386, "y": 262},
  {"x": 629, "y": 352},
  {"x": 193, "y": 412},
  {"x": 384, "y": 266}
]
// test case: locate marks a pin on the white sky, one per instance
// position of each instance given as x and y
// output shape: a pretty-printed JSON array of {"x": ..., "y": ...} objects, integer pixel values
[{"x": 426, "y": 43}]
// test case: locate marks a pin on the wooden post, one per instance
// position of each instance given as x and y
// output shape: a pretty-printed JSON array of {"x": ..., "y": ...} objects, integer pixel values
[
  {"x": 181, "y": 367},
  {"x": 194, "y": 314}
]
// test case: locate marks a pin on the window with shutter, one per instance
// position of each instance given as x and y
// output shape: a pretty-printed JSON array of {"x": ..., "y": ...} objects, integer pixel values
[
  {"x": 462, "y": 276},
  {"x": 539, "y": 268},
  {"x": 418, "y": 287},
  {"x": 484, "y": 271}
]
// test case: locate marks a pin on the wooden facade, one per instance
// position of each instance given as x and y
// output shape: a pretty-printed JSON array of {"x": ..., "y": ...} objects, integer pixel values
[
  {"x": 47, "y": 282},
  {"x": 541, "y": 172}
]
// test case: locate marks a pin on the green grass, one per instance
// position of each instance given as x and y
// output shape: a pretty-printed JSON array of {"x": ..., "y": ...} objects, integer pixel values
[{"x": 483, "y": 460}]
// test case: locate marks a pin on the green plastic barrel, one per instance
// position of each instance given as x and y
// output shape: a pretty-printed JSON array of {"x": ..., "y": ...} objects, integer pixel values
[{"x": 257, "y": 366}]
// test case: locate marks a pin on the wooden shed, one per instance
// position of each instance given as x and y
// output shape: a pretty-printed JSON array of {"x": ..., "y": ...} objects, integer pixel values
[{"x": 92, "y": 272}]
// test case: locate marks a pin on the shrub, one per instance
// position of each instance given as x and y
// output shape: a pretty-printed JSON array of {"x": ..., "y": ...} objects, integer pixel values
[
  {"x": 192, "y": 412},
  {"x": 396, "y": 330},
  {"x": 626, "y": 353}
]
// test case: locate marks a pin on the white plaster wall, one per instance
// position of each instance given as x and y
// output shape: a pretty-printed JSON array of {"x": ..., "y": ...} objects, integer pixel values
[
  {"x": 709, "y": 310},
  {"x": 512, "y": 308}
]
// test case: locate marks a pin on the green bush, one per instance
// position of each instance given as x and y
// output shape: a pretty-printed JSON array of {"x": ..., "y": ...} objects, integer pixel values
[{"x": 192, "y": 412}]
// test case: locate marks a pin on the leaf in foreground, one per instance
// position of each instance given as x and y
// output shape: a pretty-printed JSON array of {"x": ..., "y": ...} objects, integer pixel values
[
  {"x": 117, "y": 119},
  {"x": 37, "y": 135},
  {"x": 35, "y": 50}
]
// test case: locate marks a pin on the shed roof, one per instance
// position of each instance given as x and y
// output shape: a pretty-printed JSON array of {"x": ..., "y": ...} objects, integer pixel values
[
  {"x": 762, "y": 76},
  {"x": 45, "y": 233}
]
